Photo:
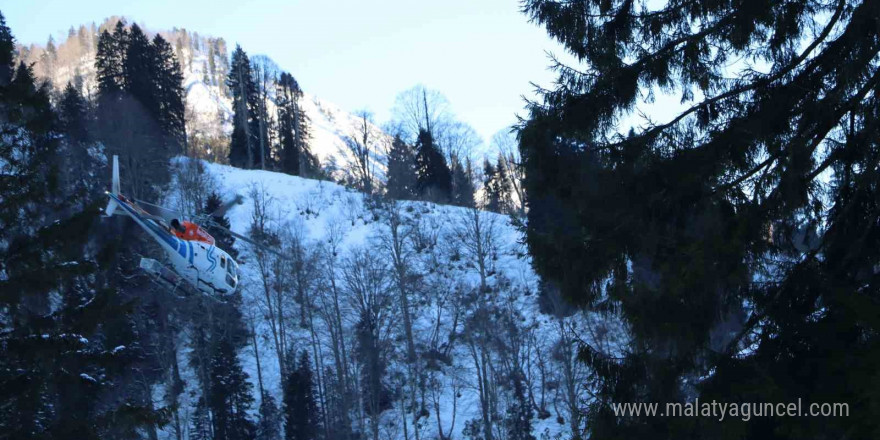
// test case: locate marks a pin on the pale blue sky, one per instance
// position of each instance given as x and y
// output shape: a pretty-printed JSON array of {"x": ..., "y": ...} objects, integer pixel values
[{"x": 481, "y": 54}]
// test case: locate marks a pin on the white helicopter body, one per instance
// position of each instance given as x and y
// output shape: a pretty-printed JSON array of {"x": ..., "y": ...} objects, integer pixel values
[{"x": 192, "y": 264}]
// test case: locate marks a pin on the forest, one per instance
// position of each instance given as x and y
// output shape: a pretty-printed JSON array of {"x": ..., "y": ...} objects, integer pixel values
[{"x": 405, "y": 284}]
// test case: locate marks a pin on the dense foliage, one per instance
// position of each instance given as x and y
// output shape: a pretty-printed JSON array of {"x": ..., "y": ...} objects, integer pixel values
[
  {"x": 434, "y": 179},
  {"x": 70, "y": 347},
  {"x": 738, "y": 236},
  {"x": 140, "y": 110}
]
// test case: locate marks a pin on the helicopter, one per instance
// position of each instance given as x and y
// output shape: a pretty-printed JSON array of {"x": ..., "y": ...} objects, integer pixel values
[{"x": 194, "y": 264}]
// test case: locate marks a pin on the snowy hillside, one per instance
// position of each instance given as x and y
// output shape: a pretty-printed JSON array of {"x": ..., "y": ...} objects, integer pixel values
[
  {"x": 204, "y": 61},
  {"x": 467, "y": 340},
  {"x": 209, "y": 102}
]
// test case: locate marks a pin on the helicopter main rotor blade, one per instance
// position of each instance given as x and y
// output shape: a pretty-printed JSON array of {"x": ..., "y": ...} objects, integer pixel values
[
  {"x": 175, "y": 214},
  {"x": 221, "y": 211},
  {"x": 262, "y": 246},
  {"x": 209, "y": 221}
]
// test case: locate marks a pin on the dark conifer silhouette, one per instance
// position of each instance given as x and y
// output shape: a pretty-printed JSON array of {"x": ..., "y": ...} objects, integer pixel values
[
  {"x": 434, "y": 178},
  {"x": 300, "y": 408},
  {"x": 697, "y": 229},
  {"x": 401, "y": 173},
  {"x": 245, "y": 124}
]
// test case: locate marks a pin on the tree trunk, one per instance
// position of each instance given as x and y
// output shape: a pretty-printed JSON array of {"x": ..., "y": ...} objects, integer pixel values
[{"x": 257, "y": 358}]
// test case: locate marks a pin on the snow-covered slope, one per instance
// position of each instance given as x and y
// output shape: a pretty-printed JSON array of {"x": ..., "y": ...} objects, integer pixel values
[
  {"x": 472, "y": 318},
  {"x": 205, "y": 63},
  {"x": 330, "y": 126},
  {"x": 335, "y": 224}
]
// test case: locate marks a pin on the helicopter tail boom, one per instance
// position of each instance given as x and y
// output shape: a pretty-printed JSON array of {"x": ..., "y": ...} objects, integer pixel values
[{"x": 113, "y": 204}]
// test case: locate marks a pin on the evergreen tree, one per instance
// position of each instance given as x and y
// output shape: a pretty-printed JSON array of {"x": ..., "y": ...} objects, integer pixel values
[
  {"x": 140, "y": 70},
  {"x": 28, "y": 144},
  {"x": 225, "y": 398},
  {"x": 212, "y": 65},
  {"x": 27, "y": 125},
  {"x": 7, "y": 53},
  {"x": 59, "y": 371},
  {"x": 462, "y": 184},
  {"x": 491, "y": 189},
  {"x": 375, "y": 395},
  {"x": 224, "y": 239},
  {"x": 140, "y": 107},
  {"x": 290, "y": 115},
  {"x": 269, "y": 424},
  {"x": 76, "y": 162},
  {"x": 170, "y": 95},
  {"x": 200, "y": 427},
  {"x": 300, "y": 407},
  {"x": 229, "y": 397},
  {"x": 519, "y": 411},
  {"x": 110, "y": 62},
  {"x": 245, "y": 125},
  {"x": 434, "y": 180},
  {"x": 83, "y": 37},
  {"x": 308, "y": 162},
  {"x": 496, "y": 186},
  {"x": 51, "y": 50},
  {"x": 50, "y": 57},
  {"x": 265, "y": 73},
  {"x": 502, "y": 186},
  {"x": 741, "y": 274},
  {"x": 401, "y": 171},
  {"x": 74, "y": 115}
]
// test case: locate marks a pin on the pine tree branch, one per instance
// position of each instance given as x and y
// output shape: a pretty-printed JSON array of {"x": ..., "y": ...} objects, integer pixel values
[{"x": 747, "y": 88}]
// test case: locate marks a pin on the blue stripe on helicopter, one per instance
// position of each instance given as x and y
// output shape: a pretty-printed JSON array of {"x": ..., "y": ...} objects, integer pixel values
[
  {"x": 181, "y": 248},
  {"x": 211, "y": 258},
  {"x": 190, "y": 245}
]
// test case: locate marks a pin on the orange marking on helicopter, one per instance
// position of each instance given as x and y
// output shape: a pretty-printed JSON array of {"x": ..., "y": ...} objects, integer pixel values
[{"x": 192, "y": 232}]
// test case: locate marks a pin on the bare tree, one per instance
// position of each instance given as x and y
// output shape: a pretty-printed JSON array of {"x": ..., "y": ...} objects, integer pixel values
[
  {"x": 564, "y": 354},
  {"x": 330, "y": 310},
  {"x": 512, "y": 346},
  {"x": 476, "y": 232},
  {"x": 478, "y": 338},
  {"x": 194, "y": 186},
  {"x": 420, "y": 108},
  {"x": 255, "y": 346},
  {"x": 265, "y": 73},
  {"x": 274, "y": 275},
  {"x": 537, "y": 359},
  {"x": 397, "y": 242},
  {"x": 206, "y": 139},
  {"x": 458, "y": 140},
  {"x": 505, "y": 142},
  {"x": 426, "y": 233},
  {"x": 438, "y": 383},
  {"x": 369, "y": 288},
  {"x": 304, "y": 266},
  {"x": 363, "y": 145}
]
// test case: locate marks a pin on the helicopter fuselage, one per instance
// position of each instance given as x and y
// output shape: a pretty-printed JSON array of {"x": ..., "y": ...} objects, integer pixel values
[{"x": 203, "y": 266}]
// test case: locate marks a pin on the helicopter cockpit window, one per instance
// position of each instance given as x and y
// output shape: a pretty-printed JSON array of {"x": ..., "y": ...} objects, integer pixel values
[
  {"x": 230, "y": 268},
  {"x": 223, "y": 262}
]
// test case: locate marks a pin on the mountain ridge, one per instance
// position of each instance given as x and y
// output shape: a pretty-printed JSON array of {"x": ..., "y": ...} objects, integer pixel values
[{"x": 204, "y": 61}]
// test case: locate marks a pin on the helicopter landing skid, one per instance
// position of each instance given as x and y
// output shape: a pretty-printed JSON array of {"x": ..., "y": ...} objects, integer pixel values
[{"x": 167, "y": 278}]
